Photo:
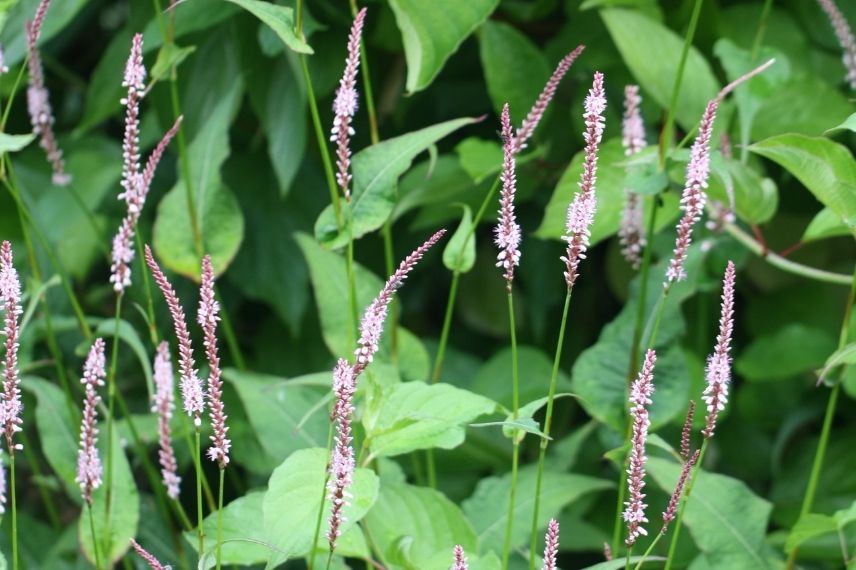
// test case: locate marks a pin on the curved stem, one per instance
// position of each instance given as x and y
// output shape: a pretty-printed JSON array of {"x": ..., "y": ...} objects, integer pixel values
[
  {"x": 554, "y": 376},
  {"x": 515, "y": 457},
  {"x": 647, "y": 552},
  {"x": 220, "y": 517}
]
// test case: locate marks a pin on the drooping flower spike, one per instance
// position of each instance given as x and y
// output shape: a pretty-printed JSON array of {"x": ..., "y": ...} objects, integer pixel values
[
  {"x": 672, "y": 508},
  {"x": 345, "y": 106},
  {"x": 149, "y": 558},
  {"x": 135, "y": 181},
  {"x": 460, "y": 559},
  {"x": 38, "y": 99},
  {"x": 527, "y": 127},
  {"x": 89, "y": 468},
  {"x": 209, "y": 314},
  {"x": 631, "y": 232},
  {"x": 342, "y": 460},
  {"x": 845, "y": 38},
  {"x": 507, "y": 229},
  {"x": 371, "y": 326},
  {"x": 191, "y": 385},
  {"x": 582, "y": 208},
  {"x": 694, "y": 197},
  {"x": 551, "y": 545},
  {"x": 718, "y": 370},
  {"x": 640, "y": 397},
  {"x": 163, "y": 406},
  {"x": 11, "y": 407}
]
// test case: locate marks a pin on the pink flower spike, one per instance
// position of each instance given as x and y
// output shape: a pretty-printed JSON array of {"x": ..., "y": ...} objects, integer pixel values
[
  {"x": 147, "y": 556},
  {"x": 631, "y": 233},
  {"x": 718, "y": 370},
  {"x": 342, "y": 456},
  {"x": 551, "y": 545},
  {"x": 640, "y": 397},
  {"x": 460, "y": 562},
  {"x": 191, "y": 385},
  {"x": 845, "y": 38},
  {"x": 672, "y": 508},
  {"x": 209, "y": 314},
  {"x": 88, "y": 462},
  {"x": 581, "y": 210},
  {"x": 371, "y": 326},
  {"x": 38, "y": 100},
  {"x": 686, "y": 432},
  {"x": 507, "y": 229},
  {"x": 345, "y": 106},
  {"x": 11, "y": 407},
  {"x": 527, "y": 127},
  {"x": 163, "y": 406}
]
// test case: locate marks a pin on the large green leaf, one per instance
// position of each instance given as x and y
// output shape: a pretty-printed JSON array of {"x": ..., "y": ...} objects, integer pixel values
[
  {"x": 806, "y": 104},
  {"x": 825, "y": 224},
  {"x": 279, "y": 18},
  {"x": 785, "y": 352},
  {"x": 58, "y": 431},
  {"x": 119, "y": 526},
  {"x": 727, "y": 520},
  {"x": 515, "y": 69},
  {"x": 13, "y": 36},
  {"x": 433, "y": 31},
  {"x": 221, "y": 222},
  {"x": 824, "y": 167},
  {"x": 293, "y": 499},
  {"x": 494, "y": 377},
  {"x": 415, "y": 527},
  {"x": 652, "y": 51},
  {"x": 330, "y": 285},
  {"x": 755, "y": 197},
  {"x": 14, "y": 143},
  {"x": 457, "y": 254},
  {"x": 415, "y": 415},
  {"x": 244, "y": 539},
  {"x": 376, "y": 170},
  {"x": 487, "y": 508}
]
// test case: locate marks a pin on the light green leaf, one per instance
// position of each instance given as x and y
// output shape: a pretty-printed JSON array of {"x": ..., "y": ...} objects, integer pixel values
[
  {"x": 620, "y": 563},
  {"x": 515, "y": 69},
  {"x": 826, "y": 224},
  {"x": 170, "y": 56},
  {"x": 58, "y": 431},
  {"x": 244, "y": 539},
  {"x": 845, "y": 355},
  {"x": 824, "y": 167},
  {"x": 727, "y": 520},
  {"x": 651, "y": 51},
  {"x": 417, "y": 527},
  {"x": 415, "y": 415},
  {"x": 755, "y": 197},
  {"x": 809, "y": 526},
  {"x": 294, "y": 497},
  {"x": 787, "y": 351},
  {"x": 479, "y": 157},
  {"x": 279, "y": 18},
  {"x": 13, "y": 36},
  {"x": 376, "y": 170},
  {"x": 221, "y": 222},
  {"x": 433, "y": 31},
  {"x": 14, "y": 143},
  {"x": 457, "y": 255},
  {"x": 487, "y": 508},
  {"x": 494, "y": 380},
  {"x": 849, "y": 124},
  {"x": 519, "y": 426},
  {"x": 128, "y": 334},
  {"x": 806, "y": 104},
  {"x": 124, "y": 514}
]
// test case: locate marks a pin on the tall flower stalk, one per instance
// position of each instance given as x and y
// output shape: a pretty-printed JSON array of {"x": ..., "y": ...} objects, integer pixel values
[
  {"x": 580, "y": 216},
  {"x": 163, "y": 406},
  {"x": 11, "y": 407},
  {"x": 551, "y": 545},
  {"x": 508, "y": 239},
  {"x": 89, "y": 469},
  {"x": 631, "y": 232}
]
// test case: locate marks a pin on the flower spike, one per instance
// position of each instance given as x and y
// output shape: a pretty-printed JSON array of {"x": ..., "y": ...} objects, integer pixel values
[
  {"x": 640, "y": 397},
  {"x": 845, "y": 38},
  {"x": 460, "y": 562},
  {"x": 551, "y": 545},
  {"x": 11, "y": 407},
  {"x": 209, "y": 314},
  {"x": 672, "y": 507},
  {"x": 88, "y": 462},
  {"x": 631, "y": 233},
  {"x": 507, "y": 229},
  {"x": 342, "y": 460},
  {"x": 153, "y": 562},
  {"x": 718, "y": 370},
  {"x": 163, "y": 406}
]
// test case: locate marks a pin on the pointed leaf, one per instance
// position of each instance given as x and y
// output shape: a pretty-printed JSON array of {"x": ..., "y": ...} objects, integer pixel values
[
  {"x": 279, "y": 18},
  {"x": 460, "y": 250}
]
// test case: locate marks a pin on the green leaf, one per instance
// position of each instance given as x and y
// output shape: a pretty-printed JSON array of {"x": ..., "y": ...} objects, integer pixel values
[
  {"x": 494, "y": 377},
  {"x": 727, "y": 520},
  {"x": 294, "y": 497},
  {"x": 417, "y": 527},
  {"x": 376, "y": 170},
  {"x": 13, "y": 36},
  {"x": 487, "y": 508},
  {"x": 14, "y": 143},
  {"x": 806, "y": 104},
  {"x": 826, "y": 224},
  {"x": 330, "y": 285},
  {"x": 516, "y": 428},
  {"x": 170, "y": 56},
  {"x": 244, "y": 539},
  {"x": 456, "y": 255},
  {"x": 845, "y": 355},
  {"x": 284, "y": 414},
  {"x": 58, "y": 431},
  {"x": 620, "y": 563},
  {"x": 824, "y": 167},
  {"x": 415, "y": 415},
  {"x": 755, "y": 197},
  {"x": 652, "y": 51},
  {"x": 479, "y": 157},
  {"x": 787, "y": 351},
  {"x": 221, "y": 222},
  {"x": 515, "y": 69},
  {"x": 128, "y": 334},
  {"x": 432, "y": 32},
  {"x": 124, "y": 514},
  {"x": 279, "y": 18},
  {"x": 809, "y": 526},
  {"x": 849, "y": 124}
]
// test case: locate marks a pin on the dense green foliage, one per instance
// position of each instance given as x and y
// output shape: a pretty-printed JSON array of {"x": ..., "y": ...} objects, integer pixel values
[{"x": 435, "y": 442}]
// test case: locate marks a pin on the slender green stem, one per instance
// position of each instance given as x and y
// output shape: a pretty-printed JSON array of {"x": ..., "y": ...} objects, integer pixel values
[
  {"x": 647, "y": 552},
  {"x": 150, "y": 303},
  {"x": 220, "y": 517},
  {"x": 44, "y": 490},
  {"x": 627, "y": 558},
  {"x": 762, "y": 27},
  {"x": 515, "y": 408},
  {"x": 111, "y": 420},
  {"x": 820, "y": 454},
  {"x": 548, "y": 419},
  {"x": 673, "y": 544},
  {"x": 94, "y": 541},
  {"x": 353, "y": 316},
  {"x": 666, "y": 135},
  {"x": 643, "y": 294},
  {"x": 197, "y": 463},
  {"x": 15, "y": 86},
  {"x": 320, "y": 517},
  {"x": 230, "y": 336},
  {"x": 13, "y": 494}
]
